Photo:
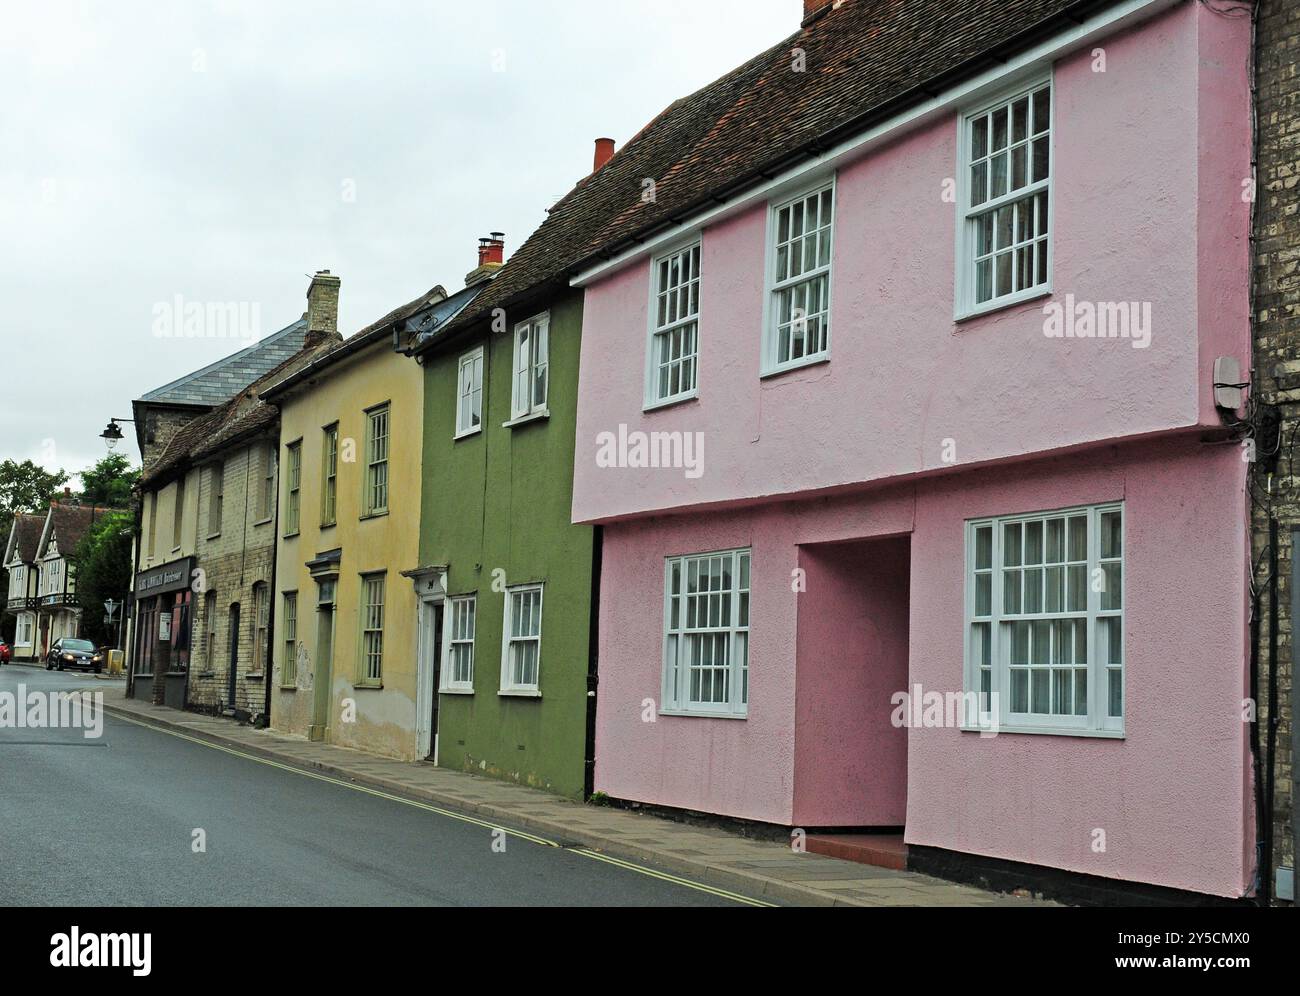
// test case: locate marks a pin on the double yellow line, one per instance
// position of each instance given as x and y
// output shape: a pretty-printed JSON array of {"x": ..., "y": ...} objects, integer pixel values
[{"x": 521, "y": 834}]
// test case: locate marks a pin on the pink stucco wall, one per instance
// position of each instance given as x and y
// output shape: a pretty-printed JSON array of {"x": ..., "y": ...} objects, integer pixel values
[
  {"x": 1171, "y": 797},
  {"x": 1148, "y": 160}
]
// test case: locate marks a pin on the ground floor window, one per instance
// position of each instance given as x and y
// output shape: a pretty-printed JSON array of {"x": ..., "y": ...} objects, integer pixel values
[
  {"x": 706, "y": 634},
  {"x": 459, "y": 673},
  {"x": 521, "y": 654},
  {"x": 289, "y": 663},
  {"x": 23, "y": 633},
  {"x": 1045, "y": 619},
  {"x": 372, "y": 629}
]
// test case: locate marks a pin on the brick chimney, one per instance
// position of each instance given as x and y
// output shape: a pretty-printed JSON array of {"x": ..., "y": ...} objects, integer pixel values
[
  {"x": 322, "y": 308},
  {"x": 604, "y": 151},
  {"x": 814, "y": 8},
  {"x": 491, "y": 257}
]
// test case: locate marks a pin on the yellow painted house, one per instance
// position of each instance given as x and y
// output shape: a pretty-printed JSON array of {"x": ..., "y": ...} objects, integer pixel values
[{"x": 344, "y": 657}]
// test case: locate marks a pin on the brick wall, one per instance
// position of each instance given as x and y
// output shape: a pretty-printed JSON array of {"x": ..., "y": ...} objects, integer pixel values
[
  {"x": 241, "y": 556},
  {"x": 1277, "y": 358},
  {"x": 160, "y": 424}
]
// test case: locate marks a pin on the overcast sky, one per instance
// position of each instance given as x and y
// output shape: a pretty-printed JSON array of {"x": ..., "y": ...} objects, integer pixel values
[{"x": 223, "y": 151}]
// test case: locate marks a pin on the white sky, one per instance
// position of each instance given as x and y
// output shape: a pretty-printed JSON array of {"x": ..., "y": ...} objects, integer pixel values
[{"x": 205, "y": 149}]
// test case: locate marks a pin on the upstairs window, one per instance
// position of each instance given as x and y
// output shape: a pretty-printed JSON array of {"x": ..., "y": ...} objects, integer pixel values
[
  {"x": 216, "y": 488},
  {"x": 178, "y": 515},
  {"x": 330, "y": 475},
  {"x": 469, "y": 393},
  {"x": 528, "y": 396},
  {"x": 799, "y": 280},
  {"x": 376, "y": 496},
  {"x": 1006, "y": 170},
  {"x": 266, "y": 483},
  {"x": 293, "y": 484},
  {"x": 674, "y": 331},
  {"x": 261, "y": 625}
]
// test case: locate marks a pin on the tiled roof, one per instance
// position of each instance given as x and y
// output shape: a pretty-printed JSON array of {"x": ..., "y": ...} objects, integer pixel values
[
  {"x": 219, "y": 381},
  {"x": 25, "y": 535},
  {"x": 68, "y": 523},
  {"x": 863, "y": 61}
]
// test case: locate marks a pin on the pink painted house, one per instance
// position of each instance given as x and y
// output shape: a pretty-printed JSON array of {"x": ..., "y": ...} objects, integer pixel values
[{"x": 897, "y": 412}]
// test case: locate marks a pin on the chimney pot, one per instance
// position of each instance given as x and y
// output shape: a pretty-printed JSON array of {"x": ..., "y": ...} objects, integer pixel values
[
  {"x": 604, "y": 150},
  {"x": 491, "y": 256}
]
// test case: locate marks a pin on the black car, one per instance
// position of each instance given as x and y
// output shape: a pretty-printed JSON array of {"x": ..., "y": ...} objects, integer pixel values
[{"x": 68, "y": 652}]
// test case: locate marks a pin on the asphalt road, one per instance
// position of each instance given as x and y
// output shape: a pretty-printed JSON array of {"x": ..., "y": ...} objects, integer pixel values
[{"x": 112, "y": 822}]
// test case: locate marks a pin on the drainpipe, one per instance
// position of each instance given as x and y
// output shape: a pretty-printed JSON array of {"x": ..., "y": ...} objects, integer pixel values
[
  {"x": 268, "y": 660},
  {"x": 1267, "y": 883},
  {"x": 593, "y": 650}
]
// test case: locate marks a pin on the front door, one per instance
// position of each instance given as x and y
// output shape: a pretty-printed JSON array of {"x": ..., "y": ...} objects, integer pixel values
[
  {"x": 323, "y": 664},
  {"x": 429, "y": 679},
  {"x": 233, "y": 676}
]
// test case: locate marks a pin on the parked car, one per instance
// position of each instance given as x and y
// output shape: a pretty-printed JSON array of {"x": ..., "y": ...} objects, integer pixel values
[
  {"x": 6, "y": 655},
  {"x": 69, "y": 652}
]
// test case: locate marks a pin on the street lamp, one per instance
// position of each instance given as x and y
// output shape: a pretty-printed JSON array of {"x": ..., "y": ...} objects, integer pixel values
[{"x": 112, "y": 433}]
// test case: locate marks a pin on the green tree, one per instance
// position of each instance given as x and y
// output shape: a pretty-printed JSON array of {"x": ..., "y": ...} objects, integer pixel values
[
  {"x": 103, "y": 559},
  {"x": 109, "y": 482}
]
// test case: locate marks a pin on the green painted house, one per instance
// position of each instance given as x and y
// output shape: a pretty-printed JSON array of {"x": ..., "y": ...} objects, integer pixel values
[{"x": 506, "y": 582}]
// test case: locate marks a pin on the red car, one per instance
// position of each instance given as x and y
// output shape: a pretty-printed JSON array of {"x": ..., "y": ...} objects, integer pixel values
[{"x": 5, "y": 653}]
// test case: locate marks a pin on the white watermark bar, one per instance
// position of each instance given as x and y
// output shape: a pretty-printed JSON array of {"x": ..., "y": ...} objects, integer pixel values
[{"x": 32, "y": 710}]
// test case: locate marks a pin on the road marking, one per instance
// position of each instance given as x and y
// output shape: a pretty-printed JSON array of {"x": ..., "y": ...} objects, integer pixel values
[
  {"x": 544, "y": 842},
  {"x": 698, "y": 886}
]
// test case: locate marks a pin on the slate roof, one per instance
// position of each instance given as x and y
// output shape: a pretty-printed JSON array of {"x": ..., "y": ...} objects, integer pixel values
[
  {"x": 25, "y": 534},
  {"x": 220, "y": 381},
  {"x": 865, "y": 61},
  {"x": 240, "y": 417}
]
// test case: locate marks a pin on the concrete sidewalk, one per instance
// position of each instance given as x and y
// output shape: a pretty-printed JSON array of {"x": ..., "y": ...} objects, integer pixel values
[{"x": 761, "y": 869}]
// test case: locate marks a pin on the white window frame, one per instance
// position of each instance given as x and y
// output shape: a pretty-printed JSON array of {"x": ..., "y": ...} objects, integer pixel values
[
  {"x": 964, "y": 284},
  {"x": 769, "y": 363},
  {"x": 508, "y": 685},
  {"x": 692, "y": 247},
  {"x": 458, "y": 606},
  {"x": 261, "y": 626},
  {"x": 473, "y": 362},
  {"x": 528, "y": 407},
  {"x": 675, "y": 697},
  {"x": 1096, "y": 722}
]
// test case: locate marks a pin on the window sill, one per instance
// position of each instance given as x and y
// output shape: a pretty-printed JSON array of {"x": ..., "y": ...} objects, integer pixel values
[
  {"x": 1010, "y": 301},
  {"x": 216, "y": 535},
  {"x": 368, "y": 686},
  {"x": 288, "y": 688},
  {"x": 806, "y": 361},
  {"x": 520, "y": 693},
  {"x": 525, "y": 419},
  {"x": 466, "y": 433},
  {"x": 1051, "y": 731},
  {"x": 377, "y": 514},
  {"x": 263, "y": 521},
  {"x": 455, "y": 691},
  {"x": 680, "y": 399},
  {"x": 701, "y": 714},
  {"x": 292, "y": 535},
  {"x": 255, "y": 676},
  {"x": 329, "y": 525},
  {"x": 206, "y": 674}
]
